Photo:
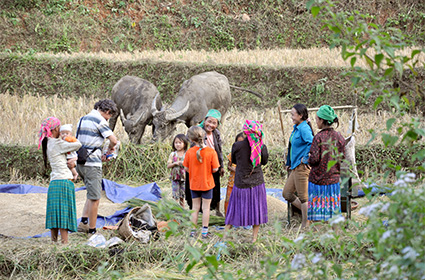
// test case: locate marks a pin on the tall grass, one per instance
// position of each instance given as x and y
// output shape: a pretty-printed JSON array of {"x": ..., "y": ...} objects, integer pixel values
[
  {"x": 315, "y": 57},
  {"x": 21, "y": 118}
]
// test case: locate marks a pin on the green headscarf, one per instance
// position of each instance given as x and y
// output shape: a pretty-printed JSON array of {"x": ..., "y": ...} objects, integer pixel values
[
  {"x": 327, "y": 113},
  {"x": 214, "y": 113}
]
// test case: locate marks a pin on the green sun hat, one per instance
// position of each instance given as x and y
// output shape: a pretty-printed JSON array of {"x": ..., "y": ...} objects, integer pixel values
[
  {"x": 326, "y": 112},
  {"x": 214, "y": 113}
]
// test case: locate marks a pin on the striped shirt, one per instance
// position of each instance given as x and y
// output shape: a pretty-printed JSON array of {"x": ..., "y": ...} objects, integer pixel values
[{"x": 94, "y": 129}]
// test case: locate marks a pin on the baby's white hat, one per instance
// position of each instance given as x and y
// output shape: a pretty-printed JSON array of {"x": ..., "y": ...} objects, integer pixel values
[{"x": 66, "y": 127}]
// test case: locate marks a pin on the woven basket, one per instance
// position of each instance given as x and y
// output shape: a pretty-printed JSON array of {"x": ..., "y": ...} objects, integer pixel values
[{"x": 124, "y": 227}]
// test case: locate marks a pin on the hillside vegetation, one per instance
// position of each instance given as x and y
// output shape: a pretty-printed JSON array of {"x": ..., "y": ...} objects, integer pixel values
[{"x": 129, "y": 25}]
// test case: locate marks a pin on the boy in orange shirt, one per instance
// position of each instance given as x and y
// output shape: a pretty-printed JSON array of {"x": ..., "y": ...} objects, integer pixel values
[{"x": 200, "y": 162}]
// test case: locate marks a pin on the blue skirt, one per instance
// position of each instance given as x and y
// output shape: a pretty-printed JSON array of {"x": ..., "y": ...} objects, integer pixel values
[
  {"x": 247, "y": 207},
  {"x": 61, "y": 211},
  {"x": 324, "y": 202}
]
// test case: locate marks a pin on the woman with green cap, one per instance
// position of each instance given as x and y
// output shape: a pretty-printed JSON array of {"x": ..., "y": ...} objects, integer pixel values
[
  {"x": 323, "y": 184},
  {"x": 214, "y": 141}
]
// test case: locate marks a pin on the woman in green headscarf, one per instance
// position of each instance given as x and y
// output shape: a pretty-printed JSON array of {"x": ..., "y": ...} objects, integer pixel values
[
  {"x": 323, "y": 184},
  {"x": 213, "y": 140}
]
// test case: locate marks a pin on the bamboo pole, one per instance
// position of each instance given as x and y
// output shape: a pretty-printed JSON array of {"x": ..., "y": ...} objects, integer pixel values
[
  {"x": 281, "y": 122},
  {"x": 317, "y": 109}
]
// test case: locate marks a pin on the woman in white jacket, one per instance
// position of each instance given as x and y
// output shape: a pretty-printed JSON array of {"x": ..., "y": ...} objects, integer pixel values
[{"x": 61, "y": 214}]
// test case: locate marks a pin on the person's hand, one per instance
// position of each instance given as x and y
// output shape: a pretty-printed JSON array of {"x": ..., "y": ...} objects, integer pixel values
[
  {"x": 106, "y": 159},
  {"x": 221, "y": 171},
  {"x": 70, "y": 163},
  {"x": 288, "y": 168}
]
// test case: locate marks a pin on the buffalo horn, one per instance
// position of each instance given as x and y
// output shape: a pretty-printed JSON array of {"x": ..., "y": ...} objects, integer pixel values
[
  {"x": 139, "y": 118},
  {"x": 122, "y": 116},
  {"x": 173, "y": 116},
  {"x": 153, "y": 107}
]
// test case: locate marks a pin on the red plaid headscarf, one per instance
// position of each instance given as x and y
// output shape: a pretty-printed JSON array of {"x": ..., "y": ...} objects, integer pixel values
[
  {"x": 46, "y": 128},
  {"x": 254, "y": 133}
]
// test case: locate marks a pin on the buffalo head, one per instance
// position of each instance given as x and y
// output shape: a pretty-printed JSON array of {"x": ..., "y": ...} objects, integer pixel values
[
  {"x": 133, "y": 126},
  {"x": 165, "y": 120}
]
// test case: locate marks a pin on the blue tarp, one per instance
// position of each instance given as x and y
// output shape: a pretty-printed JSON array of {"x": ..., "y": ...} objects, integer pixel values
[{"x": 117, "y": 193}]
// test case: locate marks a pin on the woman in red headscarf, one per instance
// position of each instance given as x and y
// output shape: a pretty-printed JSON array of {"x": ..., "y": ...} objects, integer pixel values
[
  {"x": 61, "y": 212},
  {"x": 248, "y": 200}
]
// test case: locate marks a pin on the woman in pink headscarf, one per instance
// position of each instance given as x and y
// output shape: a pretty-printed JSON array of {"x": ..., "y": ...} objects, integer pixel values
[
  {"x": 248, "y": 201},
  {"x": 61, "y": 212}
]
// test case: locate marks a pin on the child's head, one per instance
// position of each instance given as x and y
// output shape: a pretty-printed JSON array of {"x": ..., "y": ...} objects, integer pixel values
[
  {"x": 65, "y": 130},
  {"x": 180, "y": 142},
  {"x": 240, "y": 137},
  {"x": 196, "y": 134}
]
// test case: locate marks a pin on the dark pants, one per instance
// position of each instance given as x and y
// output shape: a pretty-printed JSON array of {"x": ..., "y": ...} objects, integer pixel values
[{"x": 216, "y": 191}]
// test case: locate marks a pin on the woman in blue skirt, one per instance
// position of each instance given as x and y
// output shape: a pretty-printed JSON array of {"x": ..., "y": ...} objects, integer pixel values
[
  {"x": 248, "y": 201},
  {"x": 61, "y": 213},
  {"x": 324, "y": 193}
]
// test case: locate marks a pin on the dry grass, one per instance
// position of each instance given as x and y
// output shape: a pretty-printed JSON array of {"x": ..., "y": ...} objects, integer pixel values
[
  {"x": 316, "y": 57},
  {"x": 21, "y": 118}
]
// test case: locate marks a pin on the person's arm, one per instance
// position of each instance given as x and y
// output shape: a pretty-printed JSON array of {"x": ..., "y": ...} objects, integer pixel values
[
  {"x": 170, "y": 163},
  {"x": 112, "y": 143},
  {"x": 215, "y": 164},
  {"x": 307, "y": 136},
  {"x": 264, "y": 155},
  {"x": 66, "y": 147},
  {"x": 186, "y": 163}
]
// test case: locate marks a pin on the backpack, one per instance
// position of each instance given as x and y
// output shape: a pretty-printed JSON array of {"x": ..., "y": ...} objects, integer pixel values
[{"x": 83, "y": 153}]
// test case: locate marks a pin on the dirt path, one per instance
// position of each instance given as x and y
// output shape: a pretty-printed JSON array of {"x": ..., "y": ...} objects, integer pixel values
[{"x": 24, "y": 215}]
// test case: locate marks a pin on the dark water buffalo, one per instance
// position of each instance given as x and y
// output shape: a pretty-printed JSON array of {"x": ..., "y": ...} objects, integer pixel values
[
  {"x": 134, "y": 97},
  {"x": 202, "y": 92}
]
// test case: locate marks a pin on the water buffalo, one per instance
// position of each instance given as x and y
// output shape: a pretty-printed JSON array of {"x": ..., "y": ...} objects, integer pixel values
[
  {"x": 134, "y": 97},
  {"x": 202, "y": 92}
]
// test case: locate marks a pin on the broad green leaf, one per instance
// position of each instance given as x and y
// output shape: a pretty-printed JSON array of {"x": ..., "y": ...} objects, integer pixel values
[
  {"x": 415, "y": 52},
  {"x": 354, "y": 81},
  {"x": 368, "y": 93},
  {"x": 389, "y": 140},
  {"x": 390, "y": 123},
  {"x": 338, "y": 269},
  {"x": 389, "y": 50},
  {"x": 315, "y": 11},
  {"x": 412, "y": 135},
  {"x": 378, "y": 101},
  {"x": 388, "y": 71},
  {"x": 378, "y": 59},
  {"x": 369, "y": 62},
  {"x": 190, "y": 266},
  {"x": 405, "y": 99},
  {"x": 213, "y": 261},
  {"x": 194, "y": 252},
  {"x": 309, "y": 4},
  {"x": 330, "y": 164},
  {"x": 419, "y": 155},
  {"x": 353, "y": 61},
  {"x": 336, "y": 29},
  {"x": 399, "y": 67}
]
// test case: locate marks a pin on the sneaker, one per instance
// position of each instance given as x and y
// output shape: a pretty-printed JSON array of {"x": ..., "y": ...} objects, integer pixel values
[
  {"x": 206, "y": 236},
  {"x": 193, "y": 234},
  {"x": 83, "y": 227}
]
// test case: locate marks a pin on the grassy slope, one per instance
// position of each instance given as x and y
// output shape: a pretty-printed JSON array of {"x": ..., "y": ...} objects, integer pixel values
[{"x": 112, "y": 25}]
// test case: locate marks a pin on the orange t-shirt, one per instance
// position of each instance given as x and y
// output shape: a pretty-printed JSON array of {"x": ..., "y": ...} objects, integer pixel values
[{"x": 200, "y": 174}]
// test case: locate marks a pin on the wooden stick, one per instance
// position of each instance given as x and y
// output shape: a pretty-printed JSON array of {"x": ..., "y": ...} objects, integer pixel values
[
  {"x": 279, "y": 109},
  {"x": 317, "y": 109}
]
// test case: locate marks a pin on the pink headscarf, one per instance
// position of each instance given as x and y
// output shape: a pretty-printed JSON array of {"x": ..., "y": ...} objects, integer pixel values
[
  {"x": 254, "y": 133},
  {"x": 46, "y": 128}
]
